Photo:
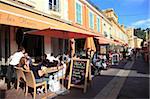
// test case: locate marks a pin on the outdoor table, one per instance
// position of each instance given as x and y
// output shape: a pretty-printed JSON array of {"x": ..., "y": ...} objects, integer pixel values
[{"x": 54, "y": 69}]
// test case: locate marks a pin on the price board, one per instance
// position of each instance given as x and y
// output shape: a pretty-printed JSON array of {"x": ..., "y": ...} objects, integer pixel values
[{"x": 79, "y": 70}]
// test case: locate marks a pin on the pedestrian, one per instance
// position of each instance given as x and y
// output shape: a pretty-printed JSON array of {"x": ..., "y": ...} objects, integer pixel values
[
  {"x": 134, "y": 53},
  {"x": 88, "y": 53},
  {"x": 14, "y": 61}
]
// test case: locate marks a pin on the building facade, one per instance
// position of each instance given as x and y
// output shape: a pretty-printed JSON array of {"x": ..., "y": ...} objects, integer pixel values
[
  {"x": 118, "y": 31},
  {"x": 130, "y": 33},
  {"x": 50, "y": 26},
  {"x": 137, "y": 42}
]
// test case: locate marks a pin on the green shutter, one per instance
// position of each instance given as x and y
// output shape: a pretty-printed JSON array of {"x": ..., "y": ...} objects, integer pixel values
[
  {"x": 98, "y": 24},
  {"x": 91, "y": 20},
  {"x": 78, "y": 13}
]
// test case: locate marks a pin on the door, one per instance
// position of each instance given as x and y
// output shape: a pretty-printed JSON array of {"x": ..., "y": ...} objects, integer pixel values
[{"x": 34, "y": 45}]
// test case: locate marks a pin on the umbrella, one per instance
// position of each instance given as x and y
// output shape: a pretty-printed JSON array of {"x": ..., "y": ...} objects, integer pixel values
[{"x": 89, "y": 43}]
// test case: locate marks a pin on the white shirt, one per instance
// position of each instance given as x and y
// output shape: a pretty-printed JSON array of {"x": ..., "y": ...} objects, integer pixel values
[
  {"x": 51, "y": 58},
  {"x": 15, "y": 58}
]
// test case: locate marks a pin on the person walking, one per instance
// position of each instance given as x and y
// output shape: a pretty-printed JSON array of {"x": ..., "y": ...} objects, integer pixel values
[
  {"x": 134, "y": 53},
  {"x": 14, "y": 61}
]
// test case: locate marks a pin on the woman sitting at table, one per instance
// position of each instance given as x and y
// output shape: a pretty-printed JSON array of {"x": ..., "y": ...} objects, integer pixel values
[
  {"x": 24, "y": 63},
  {"x": 37, "y": 70}
]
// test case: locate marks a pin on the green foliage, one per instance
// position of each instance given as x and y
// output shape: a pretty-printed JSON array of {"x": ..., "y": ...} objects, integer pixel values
[{"x": 141, "y": 33}]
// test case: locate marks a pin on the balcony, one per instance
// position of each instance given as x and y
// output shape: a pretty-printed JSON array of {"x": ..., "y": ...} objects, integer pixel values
[{"x": 54, "y": 10}]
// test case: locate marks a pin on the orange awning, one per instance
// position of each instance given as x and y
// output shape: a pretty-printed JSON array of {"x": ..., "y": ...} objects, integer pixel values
[
  {"x": 104, "y": 40},
  {"x": 62, "y": 33},
  {"x": 10, "y": 15},
  {"x": 117, "y": 42}
]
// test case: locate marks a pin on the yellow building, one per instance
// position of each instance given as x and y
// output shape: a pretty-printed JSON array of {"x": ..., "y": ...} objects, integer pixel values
[
  {"x": 59, "y": 21},
  {"x": 118, "y": 31},
  {"x": 137, "y": 42},
  {"x": 130, "y": 33}
]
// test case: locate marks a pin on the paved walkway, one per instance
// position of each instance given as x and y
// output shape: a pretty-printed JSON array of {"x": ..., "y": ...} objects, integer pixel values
[
  {"x": 136, "y": 85},
  {"x": 124, "y": 81},
  {"x": 113, "y": 88},
  {"x": 128, "y": 80}
]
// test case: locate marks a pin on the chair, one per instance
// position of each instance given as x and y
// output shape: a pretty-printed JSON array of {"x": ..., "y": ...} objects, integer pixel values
[
  {"x": 30, "y": 82},
  {"x": 20, "y": 76}
]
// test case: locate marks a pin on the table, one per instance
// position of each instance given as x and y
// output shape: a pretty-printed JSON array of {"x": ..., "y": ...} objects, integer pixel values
[{"x": 54, "y": 69}]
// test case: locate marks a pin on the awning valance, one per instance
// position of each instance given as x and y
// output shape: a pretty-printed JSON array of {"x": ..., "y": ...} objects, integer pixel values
[
  {"x": 117, "y": 42},
  {"x": 10, "y": 15},
  {"x": 58, "y": 33},
  {"x": 104, "y": 40}
]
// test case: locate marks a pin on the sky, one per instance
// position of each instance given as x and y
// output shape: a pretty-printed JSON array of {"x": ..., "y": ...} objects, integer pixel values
[{"x": 131, "y": 13}]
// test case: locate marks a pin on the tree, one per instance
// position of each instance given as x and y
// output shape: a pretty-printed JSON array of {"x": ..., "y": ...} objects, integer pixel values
[{"x": 141, "y": 33}]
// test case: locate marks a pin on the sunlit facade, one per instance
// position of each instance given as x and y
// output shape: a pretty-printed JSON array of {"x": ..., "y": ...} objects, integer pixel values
[{"x": 65, "y": 16}]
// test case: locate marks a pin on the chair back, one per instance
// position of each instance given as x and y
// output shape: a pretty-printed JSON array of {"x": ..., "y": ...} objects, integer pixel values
[
  {"x": 20, "y": 73},
  {"x": 30, "y": 79}
]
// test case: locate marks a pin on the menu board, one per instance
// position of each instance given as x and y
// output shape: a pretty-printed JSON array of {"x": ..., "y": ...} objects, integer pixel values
[{"x": 79, "y": 71}]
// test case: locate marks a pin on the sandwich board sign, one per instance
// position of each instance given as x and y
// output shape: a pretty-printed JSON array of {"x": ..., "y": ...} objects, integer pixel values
[{"x": 79, "y": 73}]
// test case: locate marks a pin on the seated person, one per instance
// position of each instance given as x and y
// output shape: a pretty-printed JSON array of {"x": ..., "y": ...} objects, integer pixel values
[
  {"x": 53, "y": 61},
  {"x": 24, "y": 63},
  {"x": 28, "y": 58},
  {"x": 51, "y": 57},
  {"x": 38, "y": 70},
  {"x": 45, "y": 61},
  {"x": 61, "y": 68},
  {"x": 66, "y": 57},
  {"x": 95, "y": 58}
]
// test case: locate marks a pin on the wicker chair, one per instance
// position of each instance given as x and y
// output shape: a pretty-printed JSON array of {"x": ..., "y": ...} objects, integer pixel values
[
  {"x": 20, "y": 76},
  {"x": 30, "y": 82}
]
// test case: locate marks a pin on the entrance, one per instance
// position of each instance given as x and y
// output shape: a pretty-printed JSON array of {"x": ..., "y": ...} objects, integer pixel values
[
  {"x": 4, "y": 44},
  {"x": 59, "y": 46},
  {"x": 34, "y": 45},
  {"x": 79, "y": 45}
]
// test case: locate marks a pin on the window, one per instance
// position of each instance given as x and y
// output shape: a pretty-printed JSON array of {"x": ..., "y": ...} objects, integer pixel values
[
  {"x": 54, "y": 5},
  {"x": 109, "y": 31},
  {"x": 91, "y": 20},
  {"x": 111, "y": 36},
  {"x": 98, "y": 24},
  {"x": 78, "y": 13},
  {"x": 105, "y": 34}
]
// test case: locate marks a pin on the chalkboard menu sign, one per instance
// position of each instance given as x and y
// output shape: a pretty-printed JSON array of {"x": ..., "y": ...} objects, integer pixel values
[{"x": 79, "y": 71}]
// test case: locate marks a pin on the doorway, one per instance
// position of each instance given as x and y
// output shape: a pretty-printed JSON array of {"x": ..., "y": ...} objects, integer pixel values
[{"x": 34, "y": 45}]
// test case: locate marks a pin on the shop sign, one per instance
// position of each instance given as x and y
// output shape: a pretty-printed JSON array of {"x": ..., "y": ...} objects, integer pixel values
[
  {"x": 7, "y": 18},
  {"x": 10, "y": 19}
]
